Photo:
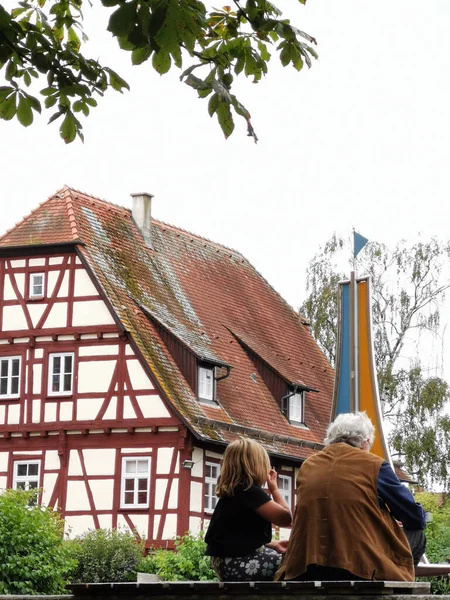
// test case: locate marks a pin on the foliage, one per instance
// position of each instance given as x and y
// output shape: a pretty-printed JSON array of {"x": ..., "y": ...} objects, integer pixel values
[
  {"x": 45, "y": 38},
  {"x": 407, "y": 292},
  {"x": 438, "y": 535},
  {"x": 187, "y": 562},
  {"x": 33, "y": 556},
  {"x": 106, "y": 555}
]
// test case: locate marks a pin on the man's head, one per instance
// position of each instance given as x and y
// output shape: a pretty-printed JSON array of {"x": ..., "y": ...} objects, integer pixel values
[{"x": 355, "y": 429}]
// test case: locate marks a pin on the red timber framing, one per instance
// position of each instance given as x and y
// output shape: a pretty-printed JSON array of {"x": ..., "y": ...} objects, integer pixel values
[{"x": 41, "y": 427}]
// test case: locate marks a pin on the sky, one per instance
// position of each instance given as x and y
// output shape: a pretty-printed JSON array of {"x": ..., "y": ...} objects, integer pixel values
[{"x": 359, "y": 140}]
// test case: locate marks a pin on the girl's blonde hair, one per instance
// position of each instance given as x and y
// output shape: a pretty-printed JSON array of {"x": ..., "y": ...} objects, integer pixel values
[{"x": 245, "y": 462}]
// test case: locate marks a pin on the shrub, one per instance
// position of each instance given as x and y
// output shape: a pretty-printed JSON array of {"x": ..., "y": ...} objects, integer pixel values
[
  {"x": 33, "y": 556},
  {"x": 106, "y": 555},
  {"x": 187, "y": 562}
]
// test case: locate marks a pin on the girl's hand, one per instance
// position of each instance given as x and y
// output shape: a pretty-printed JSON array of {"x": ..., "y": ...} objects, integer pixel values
[{"x": 272, "y": 481}]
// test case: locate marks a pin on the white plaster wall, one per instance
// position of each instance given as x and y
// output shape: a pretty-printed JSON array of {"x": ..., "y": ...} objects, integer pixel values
[
  {"x": 135, "y": 450},
  {"x": 37, "y": 379},
  {"x": 13, "y": 318},
  {"x": 36, "y": 411},
  {"x": 53, "y": 278},
  {"x": 128, "y": 410},
  {"x": 156, "y": 521},
  {"x": 95, "y": 376},
  {"x": 3, "y": 482},
  {"x": 129, "y": 350},
  {"x": 48, "y": 487},
  {"x": 213, "y": 454},
  {"x": 50, "y": 412},
  {"x": 57, "y": 316},
  {"x": 160, "y": 490},
  {"x": 91, "y": 312},
  {"x": 2, "y": 414},
  {"x": 111, "y": 411},
  {"x": 77, "y": 525},
  {"x": 77, "y": 498},
  {"x": 197, "y": 457},
  {"x": 99, "y": 462},
  {"x": 105, "y": 521},
  {"x": 36, "y": 311},
  {"x": 4, "y": 461},
  {"x": 13, "y": 414},
  {"x": 138, "y": 377},
  {"x": 20, "y": 281},
  {"x": 177, "y": 464},
  {"x": 173, "y": 496},
  {"x": 140, "y": 523},
  {"x": 170, "y": 527},
  {"x": 55, "y": 260},
  {"x": 195, "y": 524},
  {"x": 164, "y": 460},
  {"x": 87, "y": 408},
  {"x": 16, "y": 264},
  {"x": 36, "y": 262},
  {"x": 98, "y": 350},
  {"x": 66, "y": 411},
  {"x": 152, "y": 407},
  {"x": 52, "y": 461},
  {"x": 74, "y": 464},
  {"x": 83, "y": 284},
  {"x": 102, "y": 491},
  {"x": 196, "y": 504},
  {"x": 8, "y": 292},
  {"x": 38, "y": 353}
]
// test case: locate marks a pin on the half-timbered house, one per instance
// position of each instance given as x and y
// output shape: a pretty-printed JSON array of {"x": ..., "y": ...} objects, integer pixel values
[{"x": 131, "y": 353}]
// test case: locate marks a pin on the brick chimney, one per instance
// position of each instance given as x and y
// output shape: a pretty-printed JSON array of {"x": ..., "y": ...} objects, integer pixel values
[{"x": 142, "y": 215}]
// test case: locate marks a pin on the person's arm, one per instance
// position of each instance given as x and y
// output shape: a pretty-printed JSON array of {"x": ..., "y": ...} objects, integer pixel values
[
  {"x": 276, "y": 511},
  {"x": 399, "y": 499}
]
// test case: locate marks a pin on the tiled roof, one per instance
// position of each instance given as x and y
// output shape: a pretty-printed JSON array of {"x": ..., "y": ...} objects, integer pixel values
[{"x": 211, "y": 298}]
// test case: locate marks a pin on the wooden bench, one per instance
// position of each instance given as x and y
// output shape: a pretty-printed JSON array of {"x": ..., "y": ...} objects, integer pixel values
[{"x": 278, "y": 590}]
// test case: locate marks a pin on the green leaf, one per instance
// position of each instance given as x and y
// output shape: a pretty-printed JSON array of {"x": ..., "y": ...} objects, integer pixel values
[
  {"x": 5, "y": 90},
  {"x": 161, "y": 61},
  {"x": 34, "y": 103},
  {"x": 116, "y": 82},
  {"x": 24, "y": 112},
  {"x": 11, "y": 70},
  {"x": 213, "y": 104},
  {"x": 8, "y": 108},
  {"x": 225, "y": 118},
  {"x": 140, "y": 55},
  {"x": 122, "y": 20},
  {"x": 68, "y": 129}
]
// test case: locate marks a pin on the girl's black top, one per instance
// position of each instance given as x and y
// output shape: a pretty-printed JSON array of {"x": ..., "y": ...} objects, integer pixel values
[{"x": 235, "y": 528}]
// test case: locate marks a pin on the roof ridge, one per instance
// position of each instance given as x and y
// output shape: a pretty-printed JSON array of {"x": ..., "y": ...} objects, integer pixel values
[
  {"x": 96, "y": 198},
  {"x": 30, "y": 214},
  {"x": 71, "y": 214},
  {"x": 198, "y": 238}
]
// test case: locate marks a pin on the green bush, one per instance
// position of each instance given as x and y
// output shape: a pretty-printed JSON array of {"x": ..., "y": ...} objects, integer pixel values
[
  {"x": 33, "y": 556},
  {"x": 106, "y": 555},
  {"x": 187, "y": 563}
]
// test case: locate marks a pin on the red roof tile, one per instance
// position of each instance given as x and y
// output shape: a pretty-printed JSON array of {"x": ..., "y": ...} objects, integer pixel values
[{"x": 209, "y": 297}]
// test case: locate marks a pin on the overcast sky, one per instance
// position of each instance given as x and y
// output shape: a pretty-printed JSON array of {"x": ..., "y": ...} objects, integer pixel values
[{"x": 362, "y": 139}]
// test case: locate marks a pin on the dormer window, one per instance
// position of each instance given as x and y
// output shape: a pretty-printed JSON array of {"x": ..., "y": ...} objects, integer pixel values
[
  {"x": 206, "y": 383},
  {"x": 37, "y": 285},
  {"x": 296, "y": 408}
]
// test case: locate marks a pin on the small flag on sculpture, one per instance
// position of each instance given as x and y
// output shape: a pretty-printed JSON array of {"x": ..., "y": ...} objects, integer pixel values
[{"x": 359, "y": 242}]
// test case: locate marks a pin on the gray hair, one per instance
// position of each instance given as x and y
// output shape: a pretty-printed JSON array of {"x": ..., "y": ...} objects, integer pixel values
[{"x": 351, "y": 428}]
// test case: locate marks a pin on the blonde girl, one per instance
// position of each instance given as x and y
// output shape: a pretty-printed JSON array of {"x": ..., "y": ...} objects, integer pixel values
[{"x": 240, "y": 532}]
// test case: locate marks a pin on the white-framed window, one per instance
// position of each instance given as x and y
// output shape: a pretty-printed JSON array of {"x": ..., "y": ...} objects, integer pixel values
[
  {"x": 285, "y": 487},
  {"x": 296, "y": 408},
  {"x": 26, "y": 474},
  {"x": 10, "y": 377},
  {"x": 135, "y": 485},
  {"x": 206, "y": 383},
  {"x": 60, "y": 373},
  {"x": 212, "y": 472},
  {"x": 37, "y": 281}
]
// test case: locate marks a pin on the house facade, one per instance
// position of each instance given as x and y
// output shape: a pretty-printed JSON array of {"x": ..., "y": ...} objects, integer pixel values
[{"x": 131, "y": 353}]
